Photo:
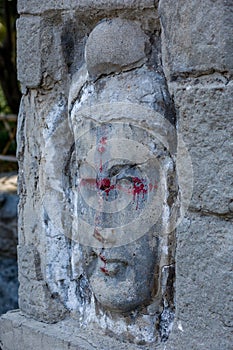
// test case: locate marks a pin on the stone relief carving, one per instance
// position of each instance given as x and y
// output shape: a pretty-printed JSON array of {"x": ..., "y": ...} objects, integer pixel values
[
  {"x": 121, "y": 191},
  {"x": 113, "y": 234}
]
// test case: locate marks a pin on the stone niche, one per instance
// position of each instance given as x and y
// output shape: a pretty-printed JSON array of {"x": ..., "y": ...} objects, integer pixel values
[{"x": 104, "y": 179}]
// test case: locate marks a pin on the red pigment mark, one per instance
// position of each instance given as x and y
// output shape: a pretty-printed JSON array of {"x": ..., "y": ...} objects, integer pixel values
[
  {"x": 101, "y": 166},
  {"x": 105, "y": 271},
  {"x": 102, "y": 258},
  {"x": 152, "y": 187},
  {"x": 102, "y": 184},
  {"x": 101, "y": 149},
  {"x": 105, "y": 185},
  {"x": 138, "y": 189},
  {"x": 102, "y": 143},
  {"x": 98, "y": 236},
  {"x": 88, "y": 181},
  {"x": 103, "y": 268}
]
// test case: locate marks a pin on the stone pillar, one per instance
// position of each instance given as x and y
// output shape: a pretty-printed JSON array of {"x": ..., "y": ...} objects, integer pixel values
[
  {"x": 123, "y": 102},
  {"x": 197, "y": 51}
]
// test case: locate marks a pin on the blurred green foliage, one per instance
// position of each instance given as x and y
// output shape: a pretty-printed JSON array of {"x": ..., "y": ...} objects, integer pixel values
[
  {"x": 9, "y": 88},
  {"x": 8, "y": 76},
  {"x": 4, "y": 108}
]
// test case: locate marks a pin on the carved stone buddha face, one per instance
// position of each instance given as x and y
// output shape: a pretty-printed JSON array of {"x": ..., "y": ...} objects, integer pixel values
[{"x": 120, "y": 201}]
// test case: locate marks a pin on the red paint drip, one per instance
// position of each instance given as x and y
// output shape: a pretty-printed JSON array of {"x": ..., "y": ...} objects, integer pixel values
[
  {"x": 105, "y": 185},
  {"x": 101, "y": 166},
  {"x": 153, "y": 187},
  {"x": 138, "y": 189},
  {"x": 103, "y": 268},
  {"x": 98, "y": 236},
  {"x": 105, "y": 271},
  {"x": 102, "y": 258},
  {"x": 102, "y": 143}
]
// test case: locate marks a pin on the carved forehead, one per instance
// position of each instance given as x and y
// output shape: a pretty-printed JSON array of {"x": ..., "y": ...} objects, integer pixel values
[{"x": 122, "y": 121}]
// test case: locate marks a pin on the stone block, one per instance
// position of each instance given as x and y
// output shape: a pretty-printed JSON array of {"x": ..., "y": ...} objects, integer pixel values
[
  {"x": 197, "y": 37},
  {"x": 35, "y": 298},
  {"x": 203, "y": 285},
  {"x": 115, "y": 45},
  {"x": 206, "y": 125},
  {"x": 33, "y": 7},
  {"x": 29, "y": 261},
  {"x": 19, "y": 332},
  {"x": 28, "y": 51}
]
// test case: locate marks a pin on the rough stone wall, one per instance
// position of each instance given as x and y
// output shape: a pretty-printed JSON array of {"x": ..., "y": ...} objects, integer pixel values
[
  {"x": 196, "y": 44},
  {"x": 97, "y": 54},
  {"x": 197, "y": 58}
]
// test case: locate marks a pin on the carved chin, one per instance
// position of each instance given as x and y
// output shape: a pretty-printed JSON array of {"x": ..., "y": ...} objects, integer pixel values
[{"x": 120, "y": 296}]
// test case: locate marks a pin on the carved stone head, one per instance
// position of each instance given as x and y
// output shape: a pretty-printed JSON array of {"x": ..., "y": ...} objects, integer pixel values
[{"x": 124, "y": 192}]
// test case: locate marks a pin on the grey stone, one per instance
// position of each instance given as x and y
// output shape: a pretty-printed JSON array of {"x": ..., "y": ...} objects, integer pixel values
[
  {"x": 207, "y": 129},
  {"x": 115, "y": 45},
  {"x": 142, "y": 87},
  {"x": 32, "y": 6},
  {"x": 29, "y": 53},
  {"x": 35, "y": 298},
  {"x": 64, "y": 335},
  {"x": 203, "y": 284},
  {"x": 67, "y": 174},
  {"x": 196, "y": 37}
]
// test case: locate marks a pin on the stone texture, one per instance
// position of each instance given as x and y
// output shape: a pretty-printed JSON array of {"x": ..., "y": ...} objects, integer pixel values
[
  {"x": 196, "y": 44},
  {"x": 203, "y": 104},
  {"x": 32, "y": 6},
  {"x": 29, "y": 60},
  {"x": 115, "y": 45},
  {"x": 203, "y": 285},
  {"x": 34, "y": 296},
  {"x": 207, "y": 129},
  {"x": 196, "y": 37},
  {"x": 65, "y": 335}
]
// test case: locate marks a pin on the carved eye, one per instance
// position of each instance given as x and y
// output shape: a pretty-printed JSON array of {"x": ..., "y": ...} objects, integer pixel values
[{"x": 119, "y": 169}]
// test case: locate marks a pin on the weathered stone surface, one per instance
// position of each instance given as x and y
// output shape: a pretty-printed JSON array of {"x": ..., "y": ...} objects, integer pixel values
[
  {"x": 63, "y": 146},
  {"x": 51, "y": 267},
  {"x": 203, "y": 285},
  {"x": 64, "y": 335},
  {"x": 197, "y": 37},
  {"x": 29, "y": 60},
  {"x": 32, "y": 6},
  {"x": 206, "y": 125},
  {"x": 35, "y": 298},
  {"x": 115, "y": 45}
]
